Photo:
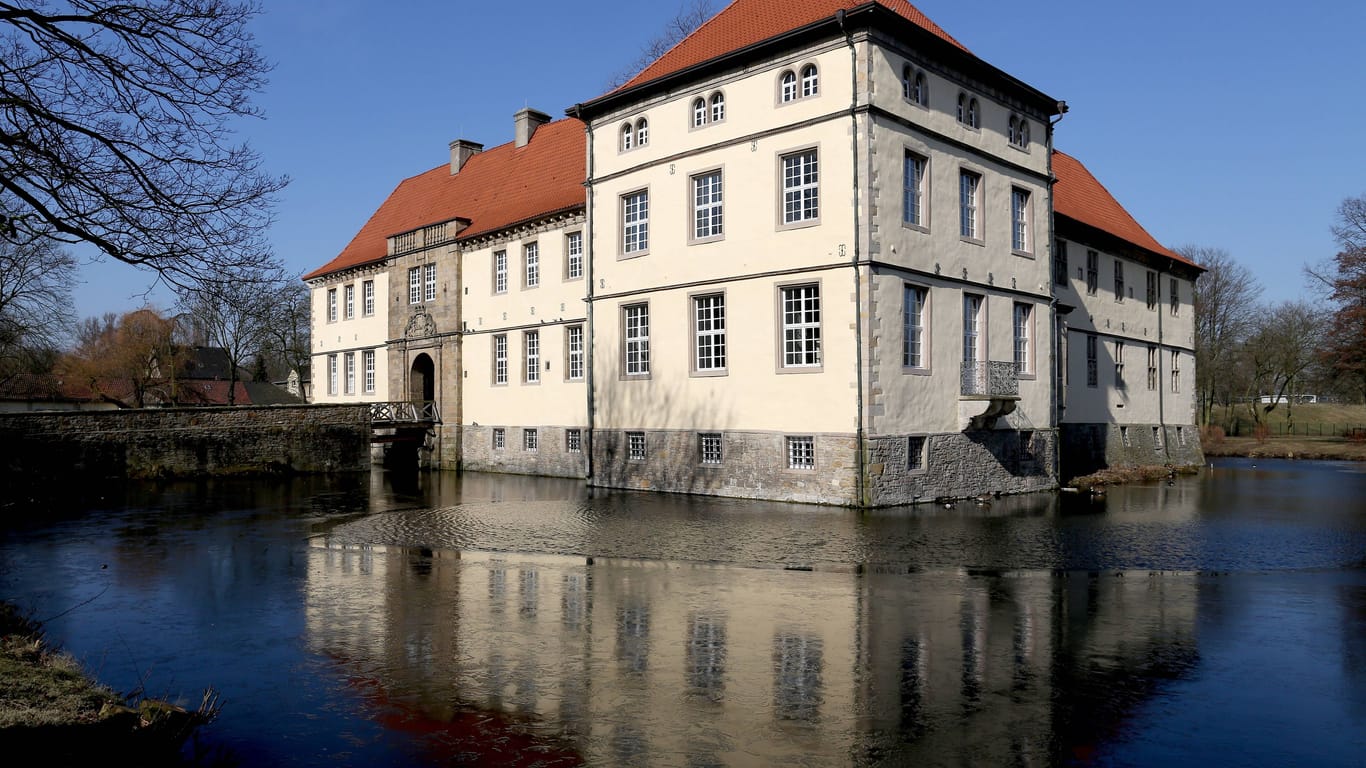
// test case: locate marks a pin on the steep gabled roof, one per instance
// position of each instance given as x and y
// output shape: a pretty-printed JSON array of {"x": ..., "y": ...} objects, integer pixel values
[
  {"x": 1079, "y": 196},
  {"x": 494, "y": 189},
  {"x": 746, "y": 22}
]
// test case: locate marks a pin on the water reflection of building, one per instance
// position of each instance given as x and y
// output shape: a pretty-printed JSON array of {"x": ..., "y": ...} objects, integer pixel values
[{"x": 675, "y": 664}]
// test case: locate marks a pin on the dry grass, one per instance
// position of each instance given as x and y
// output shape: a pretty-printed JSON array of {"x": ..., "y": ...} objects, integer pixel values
[
  {"x": 1127, "y": 475},
  {"x": 1328, "y": 448}
]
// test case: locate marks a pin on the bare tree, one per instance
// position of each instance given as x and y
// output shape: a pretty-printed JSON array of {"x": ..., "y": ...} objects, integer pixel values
[
  {"x": 35, "y": 304},
  {"x": 129, "y": 358},
  {"x": 288, "y": 330},
  {"x": 117, "y": 131},
  {"x": 1225, "y": 312},
  {"x": 235, "y": 317},
  {"x": 691, "y": 15},
  {"x": 1343, "y": 280},
  {"x": 1282, "y": 348}
]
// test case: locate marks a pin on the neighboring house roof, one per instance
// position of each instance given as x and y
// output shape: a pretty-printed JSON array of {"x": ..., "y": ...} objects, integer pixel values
[
  {"x": 204, "y": 363},
  {"x": 266, "y": 393},
  {"x": 51, "y": 388},
  {"x": 496, "y": 188},
  {"x": 746, "y": 22},
  {"x": 1079, "y": 196}
]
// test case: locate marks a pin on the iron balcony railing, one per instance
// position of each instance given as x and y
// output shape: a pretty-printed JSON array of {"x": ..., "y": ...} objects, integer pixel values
[
  {"x": 405, "y": 411},
  {"x": 990, "y": 378}
]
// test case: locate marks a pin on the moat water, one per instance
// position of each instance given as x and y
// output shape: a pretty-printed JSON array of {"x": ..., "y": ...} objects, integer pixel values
[{"x": 447, "y": 619}]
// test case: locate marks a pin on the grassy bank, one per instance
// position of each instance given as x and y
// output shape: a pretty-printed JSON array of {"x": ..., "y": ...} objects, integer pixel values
[
  {"x": 1327, "y": 448},
  {"x": 52, "y": 710}
]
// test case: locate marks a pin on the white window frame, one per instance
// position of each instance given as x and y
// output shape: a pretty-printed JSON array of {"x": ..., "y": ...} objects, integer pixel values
[
  {"x": 970, "y": 205},
  {"x": 635, "y": 446},
  {"x": 573, "y": 440},
  {"x": 1021, "y": 209},
  {"x": 500, "y": 359},
  {"x": 700, "y": 112},
  {"x": 801, "y": 343},
  {"x": 635, "y": 223},
  {"x": 500, "y": 439},
  {"x": 811, "y": 81},
  {"x": 718, "y": 107},
  {"x": 787, "y": 87},
  {"x": 709, "y": 342},
  {"x": 349, "y": 301},
  {"x": 915, "y": 335},
  {"x": 627, "y": 139},
  {"x": 710, "y": 448},
  {"x": 367, "y": 291},
  {"x": 349, "y": 382},
  {"x": 642, "y": 132},
  {"x": 531, "y": 353},
  {"x": 1022, "y": 325},
  {"x": 799, "y": 173},
  {"x": 801, "y": 452},
  {"x": 429, "y": 282},
  {"x": 332, "y": 375},
  {"x": 574, "y": 352},
  {"x": 635, "y": 338},
  {"x": 531, "y": 265},
  {"x": 915, "y": 190},
  {"x": 368, "y": 364},
  {"x": 708, "y": 206},
  {"x": 1153, "y": 358},
  {"x": 414, "y": 285},
  {"x": 974, "y": 341},
  {"x": 331, "y": 305},
  {"x": 500, "y": 271},
  {"x": 573, "y": 254},
  {"x": 531, "y": 439}
]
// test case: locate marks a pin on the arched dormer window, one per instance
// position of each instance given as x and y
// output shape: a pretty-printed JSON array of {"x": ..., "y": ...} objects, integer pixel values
[
  {"x": 718, "y": 107},
  {"x": 1019, "y": 131},
  {"x": 963, "y": 108},
  {"x": 907, "y": 82},
  {"x": 973, "y": 121},
  {"x": 628, "y": 137},
  {"x": 699, "y": 112},
  {"x": 642, "y": 132},
  {"x": 787, "y": 87},
  {"x": 920, "y": 90},
  {"x": 810, "y": 81}
]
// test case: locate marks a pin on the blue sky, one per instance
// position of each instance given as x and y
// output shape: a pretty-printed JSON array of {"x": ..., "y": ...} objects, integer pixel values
[{"x": 1227, "y": 124}]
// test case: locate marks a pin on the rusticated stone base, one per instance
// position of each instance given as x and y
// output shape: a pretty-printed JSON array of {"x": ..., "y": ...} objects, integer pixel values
[
  {"x": 1087, "y": 448},
  {"x": 552, "y": 456},
  {"x": 959, "y": 465}
]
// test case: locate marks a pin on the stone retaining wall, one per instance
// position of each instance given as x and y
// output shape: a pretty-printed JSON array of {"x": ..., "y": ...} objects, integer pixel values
[
  {"x": 1087, "y": 448},
  {"x": 960, "y": 465},
  {"x": 185, "y": 442}
]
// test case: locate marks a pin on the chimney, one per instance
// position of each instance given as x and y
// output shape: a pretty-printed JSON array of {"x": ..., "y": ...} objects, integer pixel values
[
  {"x": 462, "y": 150},
  {"x": 526, "y": 121}
]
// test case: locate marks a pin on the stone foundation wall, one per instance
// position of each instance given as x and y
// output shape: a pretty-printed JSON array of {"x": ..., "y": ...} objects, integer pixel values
[
  {"x": 1087, "y": 448},
  {"x": 185, "y": 442},
  {"x": 960, "y": 465},
  {"x": 552, "y": 458},
  {"x": 753, "y": 465}
]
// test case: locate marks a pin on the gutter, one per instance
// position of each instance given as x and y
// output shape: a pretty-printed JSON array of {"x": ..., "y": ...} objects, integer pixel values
[{"x": 860, "y": 489}]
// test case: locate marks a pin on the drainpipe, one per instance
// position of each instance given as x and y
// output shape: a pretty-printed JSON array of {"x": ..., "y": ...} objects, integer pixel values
[
  {"x": 859, "y": 461},
  {"x": 1055, "y": 422},
  {"x": 588, "y": 298},
  {"x": 1161, "y": 391}
]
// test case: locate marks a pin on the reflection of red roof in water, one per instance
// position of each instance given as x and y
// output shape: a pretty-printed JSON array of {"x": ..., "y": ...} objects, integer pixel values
[{"x": 468, "y": 736}]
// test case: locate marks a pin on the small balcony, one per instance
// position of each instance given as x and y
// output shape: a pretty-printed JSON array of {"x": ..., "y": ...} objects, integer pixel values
[{"x": 988, "y": 390}]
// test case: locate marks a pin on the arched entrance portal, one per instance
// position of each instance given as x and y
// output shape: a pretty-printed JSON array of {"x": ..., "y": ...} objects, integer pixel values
[{"x": 422, "y": 380}]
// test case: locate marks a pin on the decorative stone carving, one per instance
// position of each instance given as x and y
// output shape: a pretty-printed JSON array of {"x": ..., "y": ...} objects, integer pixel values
[{"x": 420, "y": 325}]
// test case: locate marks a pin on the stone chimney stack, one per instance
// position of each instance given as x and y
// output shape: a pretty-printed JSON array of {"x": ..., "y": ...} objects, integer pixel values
[
  {"x": 526, "y": 121},
  {"x": 462, "y": 150}
]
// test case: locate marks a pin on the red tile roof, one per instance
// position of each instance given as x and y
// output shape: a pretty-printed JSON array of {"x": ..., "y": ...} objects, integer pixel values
[
  {"x": 746, "y": 22},
  {"x": 1079, "y": 196},
  {"x": 495, "y": 189}
]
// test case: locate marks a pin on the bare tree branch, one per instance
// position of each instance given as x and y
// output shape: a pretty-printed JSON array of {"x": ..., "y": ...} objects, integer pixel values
[{"x": 691, "y": 15}]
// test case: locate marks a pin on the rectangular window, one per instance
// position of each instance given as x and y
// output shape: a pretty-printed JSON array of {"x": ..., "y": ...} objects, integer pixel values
[
  {"x": 1119, "y": 280},
  {"x": 1152, "y": 290},
  {"x": 709, "y": 333},
  {"x": 801, "y": 452},
  {"x": 1023, "y": 323},
  {"x": 635, "y": 446},
  {"x": 573, "y": 344},
  {"x": 500, "y": 271},
  {"x": 367, "y": 292},
  {"x": 500, "y": 438},
  {"x": 915, "y": 453},
  {"x": 532, "y": 262},
  {"x": 1060, "y": 262},
  {"x": 1092, "y": 272},
  {"x": 913, "y": 326},
  {"x": 531, "y": 348},
  {"x": 972, "y": 328},
  {"x": 429, "y": 281},
  {"x": 368, "y": 362},
  {"x": 635, "y": 217},
  {"x": 573, "y": 440},
  {"x": 1119, "y": 365},
  {"x": 636, "y": 319},
  {"x": 801, "y": 187},
  {"x": 801, "y": 326},
  {"x": 414, "y": 285},
  {"x": 1175, "y": 296},
  {"x": 1176, "y": 371},
  {"x": 1124, "y": 435},
  {"x": 350, "y": 373},
  {"x": 1181, "y": 436},
  {"x": 530, "y": 440},
  {"x": 1091, "y": 362},
  {"x": 331, "y": 305},
  {"x": 331, "y": 374},
  {"x": 1019, "y": 220},
  {"x": 1157, "y": 439},
  {"x": 500, "y": 358},
  {"x": 969, "y": 204},
  {"x": 913, "y": 182},
  {"x": 349, "y": 305},
  {"x": 709, "y": 447},
  {"x": 706, "y": 206},
  {"x": 1152, "y": 367},
  {"x": 573, "y": 250}
]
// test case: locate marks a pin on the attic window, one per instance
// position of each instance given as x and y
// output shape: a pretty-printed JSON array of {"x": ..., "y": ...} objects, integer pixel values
[
  {"x": 634, "y": 135},
  {"x": 1018, "y": 132},
  {"x": 968, "y": 111},
  {"x": 628, "y": 137}
]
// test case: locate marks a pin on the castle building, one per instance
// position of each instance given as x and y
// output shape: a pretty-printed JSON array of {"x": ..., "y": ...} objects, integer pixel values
[{"x": 817, "y": 251}]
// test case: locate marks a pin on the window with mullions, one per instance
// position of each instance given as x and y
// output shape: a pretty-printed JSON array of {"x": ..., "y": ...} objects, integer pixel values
[
  {"x": 1092, "y": 377},
  {"x": 331, "y": 374},
  {"x": 500, "y": 438},
  {"x": 1152, "y": 290},
  {"x": 500, "y": 358},
  {"x": 801, "y": 187},
  {"x": 531, "y": 253},
  {"x": 573, "y": 249},
  {"x": 709, "y": 333},
  {"x": 1119, "y": 365},
  {"x": 573, "y": 440},
  {"x": 367, "y": 292},
  {"x": 1019, "y": 220},
  {"x": 500, "y": 271},
  {"x": 801, "y": 452},
  {"x": 1092, "y": 272},
  {"x": 709, "y": 447},
  {"x": 913, "y": 183},
  {"x": 1060, "y": 262},
  {"x": 414, "y": 285},
  {"x": 1152, "y": 367},
  {"x": 635, "y": 217},
  {"x": 574, "y": 349},
  {"x": 531, "y": 348},
  {"x": 1119, "y": 280},
  {"x": 699, "y": 112},
  {"x": 331, "y": 305},
  {"x": 368, "y": 361},
  {"x": 349, "y": 303},
  {"x": 801, "y": 312},
  {"x": 969, "y": 205},
  {"x": 810, "y": 81},
  {"x": 913, "y": 322},
  {"x": 718, "y": 107},
  {"x": 350, "y": 373},
  {"x": 636, "y": 319},
  {"x": 429, "y": 282},
  {"x": 708, "y": 221},
  {"x": 1023, "y": 323},
  {"x": 1018, "y": 132},
  {"x": 787, "y": 86},
  {"x": 531, "y": 440},
  {"x": 635, "y": 446}
]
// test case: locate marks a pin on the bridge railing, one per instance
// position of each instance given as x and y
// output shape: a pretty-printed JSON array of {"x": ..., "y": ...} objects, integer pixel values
[{"x": 405, "y": 411}]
